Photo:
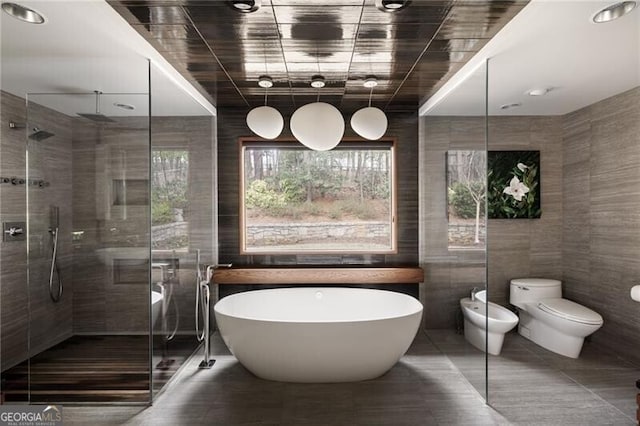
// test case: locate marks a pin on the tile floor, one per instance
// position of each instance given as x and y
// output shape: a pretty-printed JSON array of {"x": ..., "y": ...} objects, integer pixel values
[
  {"x": 433, "y": 384},
  {"x": 424, "y": 388},
  {"x": 529, "y": 385}
]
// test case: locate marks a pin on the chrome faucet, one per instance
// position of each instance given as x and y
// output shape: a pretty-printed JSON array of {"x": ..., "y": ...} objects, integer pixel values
[{"x": 473, "y": 293}]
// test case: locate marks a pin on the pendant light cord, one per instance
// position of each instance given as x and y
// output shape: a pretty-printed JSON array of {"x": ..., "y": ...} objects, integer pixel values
[
  {"x": 318, "y": 66},
  {"x": 370, "y": 94},
  {"x": 266, "y": 71}
]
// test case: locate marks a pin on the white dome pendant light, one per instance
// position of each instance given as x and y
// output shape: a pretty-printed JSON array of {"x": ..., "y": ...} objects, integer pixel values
[
  {"x": 370, "y": 122},
  {"x": 265, "y": 121},
  {"x": 318, "y": 125}
]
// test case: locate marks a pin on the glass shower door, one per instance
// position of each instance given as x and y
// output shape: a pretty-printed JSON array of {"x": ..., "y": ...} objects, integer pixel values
[
  {"x": 88, "y": 213},
  {"x": 183, "y": 217}
]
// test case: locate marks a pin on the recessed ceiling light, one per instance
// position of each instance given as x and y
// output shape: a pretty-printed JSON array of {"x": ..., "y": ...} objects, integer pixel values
[
  {"x": 539, "y": 91},
  {"x": 509, "y": 106},
  {"x": 265, "y": 81},
  {"x": 391, "y": 5},
  {"x": 317, "y": 81},
  {"x": 370, "y": 82},
  {"x": 124, "y": 106},
  {"x": 23, "y": 13},
  {"x": 614, "y": 11},
  {"x": 246, "y": 6}
]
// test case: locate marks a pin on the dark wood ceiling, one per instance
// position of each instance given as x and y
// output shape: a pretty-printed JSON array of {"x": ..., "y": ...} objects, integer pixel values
[{"x": 411, "y": 52}]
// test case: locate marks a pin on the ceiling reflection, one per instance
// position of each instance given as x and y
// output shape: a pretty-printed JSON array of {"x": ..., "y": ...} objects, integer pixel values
[{"x": 412, "y": 52}]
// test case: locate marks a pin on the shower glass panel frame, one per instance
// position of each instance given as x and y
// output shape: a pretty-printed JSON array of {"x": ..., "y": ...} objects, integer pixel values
[{"x": 88, "y": 188}]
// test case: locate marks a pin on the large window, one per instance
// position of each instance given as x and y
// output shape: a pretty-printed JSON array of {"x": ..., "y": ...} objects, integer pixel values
[{"x": 295, "y": 200}]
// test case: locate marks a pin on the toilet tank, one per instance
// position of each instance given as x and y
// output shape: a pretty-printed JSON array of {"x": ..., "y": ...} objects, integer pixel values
[{"x": 528, "y": 290}]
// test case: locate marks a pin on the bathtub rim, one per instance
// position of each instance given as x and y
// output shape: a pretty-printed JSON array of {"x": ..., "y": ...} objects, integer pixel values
[{"x": 418, "y": 309}]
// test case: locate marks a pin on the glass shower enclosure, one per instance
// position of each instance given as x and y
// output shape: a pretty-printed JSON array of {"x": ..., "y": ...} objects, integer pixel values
[
  {"x": 111, "y": 208},
  {"x": 86, "y": 303}
]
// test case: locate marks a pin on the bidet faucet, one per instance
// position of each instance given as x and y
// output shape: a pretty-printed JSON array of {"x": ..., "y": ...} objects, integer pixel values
[{"x": 473, "y": 293}]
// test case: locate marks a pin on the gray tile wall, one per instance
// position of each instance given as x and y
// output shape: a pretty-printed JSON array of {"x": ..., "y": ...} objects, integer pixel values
[
  {"x": 101, "y": 153},
  {"x": 449, "y": 275},
  {"x": 601, "y": 162},
  {"x": 528, "y": 247},
  {"x": 589, "y": 232},
  {"x": 50, "y": 161},
  {"x": 100, "y": 305},
  {"x": 80, "y": 161},
  {"x": 515, "y": 247}
]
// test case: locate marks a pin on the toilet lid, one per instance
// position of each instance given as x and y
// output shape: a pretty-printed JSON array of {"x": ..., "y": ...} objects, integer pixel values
[
  {"x": 570, "y": 310},
  {"x": 536, "y": 282}
]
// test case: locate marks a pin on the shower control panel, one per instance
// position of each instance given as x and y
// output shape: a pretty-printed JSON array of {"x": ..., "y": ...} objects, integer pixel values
[{"x": 14, "y": 231}]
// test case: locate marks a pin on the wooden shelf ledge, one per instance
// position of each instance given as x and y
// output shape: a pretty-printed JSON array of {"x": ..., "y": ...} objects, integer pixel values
[{"x": 318, "y": 275}]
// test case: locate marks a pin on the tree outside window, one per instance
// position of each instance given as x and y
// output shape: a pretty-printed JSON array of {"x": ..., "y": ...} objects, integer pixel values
[
  {"x": 298, "y": 200},
  {"x": 466, "y": 195},
  {"x": 169, "y": 199}
]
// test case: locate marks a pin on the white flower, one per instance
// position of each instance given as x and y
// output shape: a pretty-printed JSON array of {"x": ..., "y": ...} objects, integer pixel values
[
  {"x": 516, "y": 189},
  {"x": 522, "y": 167}
]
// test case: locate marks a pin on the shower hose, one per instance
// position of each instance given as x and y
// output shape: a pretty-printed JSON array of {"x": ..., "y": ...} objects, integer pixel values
[
  {"x": 167, "y": 294},
  {"x": 54, "y": 271}
]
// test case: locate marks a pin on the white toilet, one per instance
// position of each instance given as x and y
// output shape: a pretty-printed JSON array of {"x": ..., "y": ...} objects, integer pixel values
[{"x": 547, "y": 319}]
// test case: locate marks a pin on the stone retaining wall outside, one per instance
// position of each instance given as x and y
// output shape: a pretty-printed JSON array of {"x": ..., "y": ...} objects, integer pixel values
[
  {"x": 275, "y": 234},
  {"x": 465, "y": 233}
]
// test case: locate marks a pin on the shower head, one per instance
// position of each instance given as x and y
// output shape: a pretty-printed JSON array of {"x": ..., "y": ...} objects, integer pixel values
[
  {"x": 40, "y": 135},
  {"x": 97, "y": 117},
  {"x": 37, "y": 135}
]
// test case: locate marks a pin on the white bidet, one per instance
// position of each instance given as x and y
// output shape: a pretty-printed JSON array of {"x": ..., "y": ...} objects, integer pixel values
[{"x": 501, "y": 321}]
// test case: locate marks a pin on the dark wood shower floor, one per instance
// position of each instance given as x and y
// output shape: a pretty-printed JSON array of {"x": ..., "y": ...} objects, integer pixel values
[{"x": 93, "y": 369}]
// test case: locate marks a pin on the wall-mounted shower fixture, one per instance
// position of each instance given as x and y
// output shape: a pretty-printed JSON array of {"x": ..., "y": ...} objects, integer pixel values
[
  {"x": 13, "y": 231},
  {"x": 54, "y": 227},
  {"x": 37, "y": 133},
  {"x": 40, "y": 135},
  {"x": 97, "y": 117},
  {"x": 13, "y": 180}
]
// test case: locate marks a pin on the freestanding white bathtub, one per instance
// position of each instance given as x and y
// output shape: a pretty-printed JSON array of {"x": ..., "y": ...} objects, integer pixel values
[{"x": 318, "y": 335}]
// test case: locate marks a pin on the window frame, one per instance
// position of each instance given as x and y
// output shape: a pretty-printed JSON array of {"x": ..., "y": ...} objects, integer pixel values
[{"x": 355, "y": 143}]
